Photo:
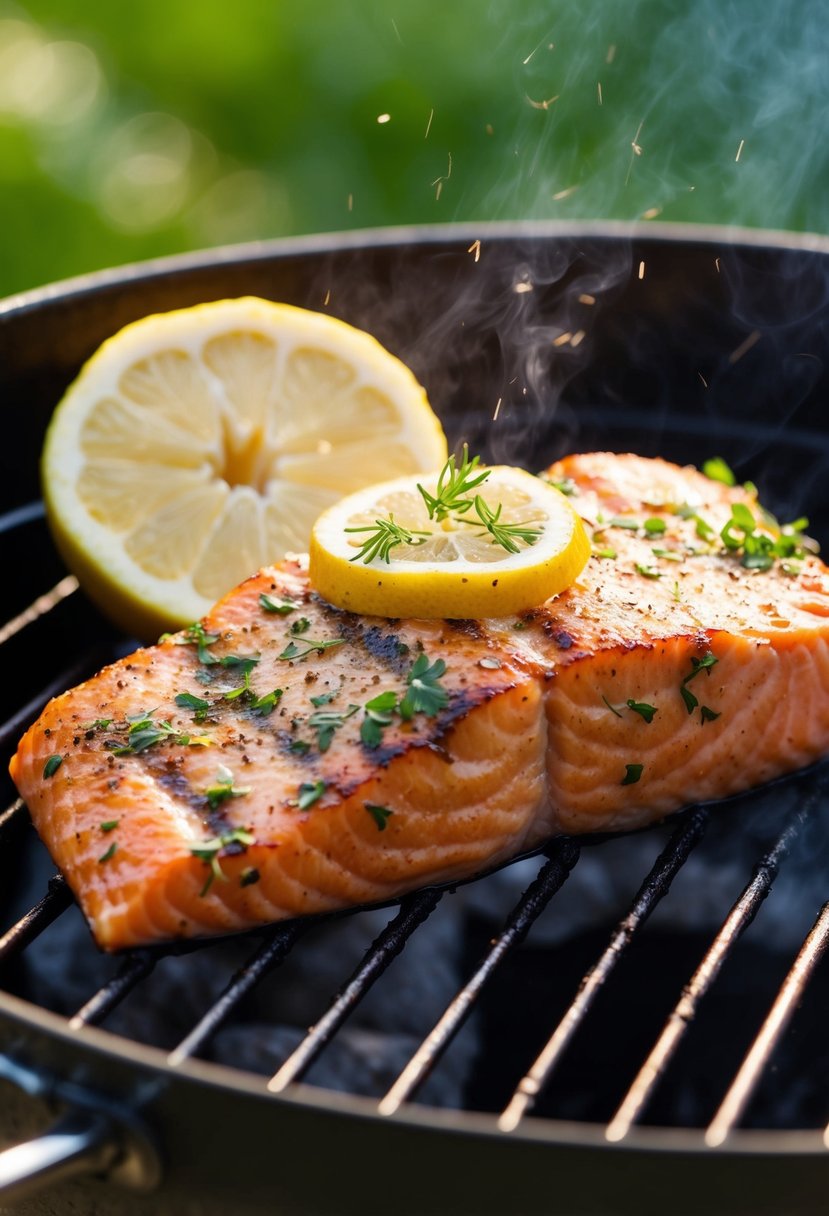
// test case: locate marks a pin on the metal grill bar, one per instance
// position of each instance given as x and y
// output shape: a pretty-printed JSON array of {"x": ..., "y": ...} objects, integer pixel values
[
  {"x": 11, "y": 813},
  {"x": 735, "y": 924},
  {"x": 656, "y": 885},
  {"x": 39, "y": 607},
  {"x": 269, "y": 955},
  {"x": 413, "y": 912},
  {"x": 562, "y": 856},
  {"x": 56, "y": 900},
  {"x": 134, "y": 969},
  {"x": 743, "y": 1086}
]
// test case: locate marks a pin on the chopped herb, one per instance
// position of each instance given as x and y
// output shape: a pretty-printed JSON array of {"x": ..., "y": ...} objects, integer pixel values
[
  {"x": 759, "y": 550},
  {"x": 52, "y": 765},
  {"x": 223, "y": 789},
  {"x": 697, "y": 665},
  {"x": 380, "y": 814},
  {"x": 704, "y": 664},
  {"x": 505, "y": 535},
  {"x": 300, "y": 747},
  {"x": 718, "y": 470},
  {"x": 249, "y": 876},
  {"x": 612, "y": 708},
  {"x": 454, "y": 487},
  {"x": 301, "y": 625},
  {"x": 109, "y": 825},
  {"x": 309, "y": 793},
  {"x": 654, "y": 526},
  {"x": 282, "y": 607},
  {"x": 144, "y": 731},
  {"x": 425, "y": 694},
  {"x": 647, "y": 571},
  {"x": 98, "y": 724},
  {"x": 670, "y": 555},
  {"x": 379, "y": 714},
  {"x": 326, "y": 721},
  {"x": 491, "y": 664},
  {"x": 268, "y": 702},
  {"x": 707, "y": 715},
  {"x": 208, "y": 851},
  {"x": 109, "y": 853},
  {"x": 244, "y": 662},
  {"x": 632, "y": 774},
  {"x": 292, "y": 651},
  {"x": 623, "y": 521},
  {"x": 676, "y": 592},
  {"x": 195, "y": 635},
  {"x": 324, "y": 698},
  {"x": 565, "y": 485},
  {"x": 243, "y": 689},
  {"x": 187, "y": 700},
  {"x": 606, "y": 552},
  {"x": 643, "y": 709},
  {"x": 385, "y": 535}
]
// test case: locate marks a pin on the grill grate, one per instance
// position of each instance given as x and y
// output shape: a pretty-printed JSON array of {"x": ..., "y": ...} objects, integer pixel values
[{"x": 556, "y": 865}]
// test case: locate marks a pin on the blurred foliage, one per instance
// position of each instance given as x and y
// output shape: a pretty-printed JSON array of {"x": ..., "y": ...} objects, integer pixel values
[{"x": 128, "y": 131}]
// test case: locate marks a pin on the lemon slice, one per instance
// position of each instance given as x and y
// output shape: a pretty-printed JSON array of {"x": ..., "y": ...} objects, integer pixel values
[
  {"x": 198, "y": 445},
  {"x": 452, "y": 567}
]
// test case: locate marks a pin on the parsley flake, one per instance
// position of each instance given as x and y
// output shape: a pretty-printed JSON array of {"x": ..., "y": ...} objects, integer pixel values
[
  {"x": 188, "y": 700},
  {"x": 647, "y": 571},
  {"x": 109, "y": 825},
  {"x": 717, "y": 469},
  {"x": 52, "y": 765},
  {"x": 282, "y": 607},
  {"x": 111, "y": 851},
  {"x": 268, "y": 702},
  {"x": 380, "y": 814},
  {"x": 643, "y": 709},
  {"x": 379, "y": 713},
  {"x": 632, "y": 774},
  {"x": 301, "y": 625},
  {"x": 235, "y": 841},
  {"x": 707, "y": 715},
  {"x": 425, "y": 694},
  {"x": 654, "y": 526},
  {"x": 309, "y": 793},
  {"x": 326, "y": 721},
  {"x": 195, "y": 635},
  {"x": 292, "y": 651},
  {"x": 249, "y": 876},
  {"x": 223, "y": 789}
]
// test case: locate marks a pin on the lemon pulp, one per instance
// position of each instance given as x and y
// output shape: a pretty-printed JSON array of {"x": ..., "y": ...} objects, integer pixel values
[{"x": 201, "y": 444}]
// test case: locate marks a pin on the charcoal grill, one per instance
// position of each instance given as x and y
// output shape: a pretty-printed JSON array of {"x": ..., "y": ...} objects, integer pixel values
[{"x": 583, "y": 1096}]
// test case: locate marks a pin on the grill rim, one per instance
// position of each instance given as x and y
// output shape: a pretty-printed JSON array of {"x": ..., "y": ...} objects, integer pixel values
[
  {"x": 47, "y": 1035},
  {"x": 96, "y": 1045},
  {"x": 65, "y": 290}
]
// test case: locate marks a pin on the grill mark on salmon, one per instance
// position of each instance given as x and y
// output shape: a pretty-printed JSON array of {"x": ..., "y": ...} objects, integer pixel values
[{"x": 607, "y": 708}]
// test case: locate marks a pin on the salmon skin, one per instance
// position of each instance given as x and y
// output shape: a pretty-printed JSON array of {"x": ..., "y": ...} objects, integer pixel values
[{"x": 284, "y": 758}]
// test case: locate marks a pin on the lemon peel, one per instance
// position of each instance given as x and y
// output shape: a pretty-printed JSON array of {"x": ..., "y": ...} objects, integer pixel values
[
  {"x": 457, "y": 569},
  {"x": 197, "y": 445}
]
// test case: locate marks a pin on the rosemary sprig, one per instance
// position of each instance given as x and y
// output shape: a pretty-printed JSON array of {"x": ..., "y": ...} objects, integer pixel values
[
  {"x": 384, "y": 534},
  {"x": 505, "y": 535},
  {"x": 454, "y": 486}
]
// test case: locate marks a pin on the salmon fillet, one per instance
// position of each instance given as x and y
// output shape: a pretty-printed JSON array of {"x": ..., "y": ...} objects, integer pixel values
[{"x": 286, "y": 758}]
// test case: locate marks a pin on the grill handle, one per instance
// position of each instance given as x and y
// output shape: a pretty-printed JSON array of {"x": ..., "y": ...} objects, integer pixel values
[{"x": 78, "y": 1143}]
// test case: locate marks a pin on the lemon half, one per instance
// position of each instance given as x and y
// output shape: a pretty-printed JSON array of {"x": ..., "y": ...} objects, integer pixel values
[
  {"x": 198, "y": 445},
  {"x": 454, "y": 567}
]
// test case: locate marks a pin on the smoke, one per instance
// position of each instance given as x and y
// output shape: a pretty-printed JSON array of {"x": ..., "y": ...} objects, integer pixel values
[{"x": 692, "y": 110}]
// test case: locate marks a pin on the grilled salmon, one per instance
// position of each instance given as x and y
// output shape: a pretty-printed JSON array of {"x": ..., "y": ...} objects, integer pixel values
[{"x": 283, "y": 757}]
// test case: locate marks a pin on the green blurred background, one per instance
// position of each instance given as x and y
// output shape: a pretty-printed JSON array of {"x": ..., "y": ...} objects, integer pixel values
[{"x": 131, "y": 130}]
